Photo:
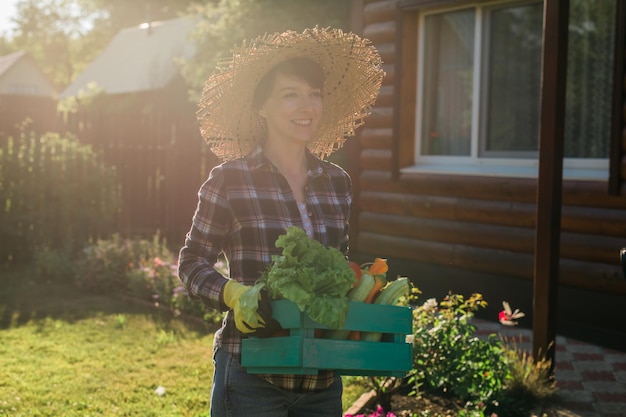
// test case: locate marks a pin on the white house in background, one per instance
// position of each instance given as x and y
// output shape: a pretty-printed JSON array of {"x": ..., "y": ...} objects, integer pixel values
[
  {"x": 20, "y": 75},
  {"x": 138, "y": 59}
]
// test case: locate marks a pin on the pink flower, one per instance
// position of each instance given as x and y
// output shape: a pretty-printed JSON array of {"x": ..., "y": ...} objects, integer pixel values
[
  {"x": 503, "y": 316},
  {"x": 378, "y": 413},
  {"x": 508, "y": 317}
]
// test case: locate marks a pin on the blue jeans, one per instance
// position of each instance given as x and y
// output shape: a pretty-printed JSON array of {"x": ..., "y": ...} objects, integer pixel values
[{"x": 236, "y": 393}]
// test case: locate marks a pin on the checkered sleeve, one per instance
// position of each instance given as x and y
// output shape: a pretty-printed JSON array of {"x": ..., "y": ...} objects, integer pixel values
[{"x": 204, "y": 243}]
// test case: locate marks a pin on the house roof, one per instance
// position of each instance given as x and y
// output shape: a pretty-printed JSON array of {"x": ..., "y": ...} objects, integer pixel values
[
  {"x": 138, "y": 59},
  {"x": 7, "y": 61},
  {"x": 21, "y": 75}
]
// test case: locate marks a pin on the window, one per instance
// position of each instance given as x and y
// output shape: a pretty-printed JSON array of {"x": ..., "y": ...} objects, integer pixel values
[
  {"x": 23, "y": 89},
  {"x": 478, "y": 102}
]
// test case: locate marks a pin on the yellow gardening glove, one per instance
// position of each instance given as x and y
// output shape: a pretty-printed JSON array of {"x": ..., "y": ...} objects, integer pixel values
[
  {"x": 262, "y": 324},
  {"x": 232, "y": 293}
]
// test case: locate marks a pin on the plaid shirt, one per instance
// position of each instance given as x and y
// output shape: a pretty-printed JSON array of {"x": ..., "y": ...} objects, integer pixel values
[{"x": 243, "y": 207}]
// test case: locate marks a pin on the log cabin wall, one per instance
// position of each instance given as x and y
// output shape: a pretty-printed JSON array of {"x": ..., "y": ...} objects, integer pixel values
[{"x": 479, "y": 224}]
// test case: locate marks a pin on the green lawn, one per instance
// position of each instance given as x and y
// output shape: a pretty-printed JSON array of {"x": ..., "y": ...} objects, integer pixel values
[
  {"x": 63, "y": 353},
  {"x": 66, "y": 353}
]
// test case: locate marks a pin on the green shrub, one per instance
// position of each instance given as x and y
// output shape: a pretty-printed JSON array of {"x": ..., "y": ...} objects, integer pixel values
[
  {"x": 490, "y": 375},
  {"x": 54, "y": 193},
  {"x": 529, "y": 386},
  {"x": 448, "y": 357},
  {"x": 144, "y": 269},
  {"x": 54, "y": 265},
  {"x": 154, "y": 280},
  {"x": 182, "y": 303},
  {"x": 528, "y": 374},
  {"x": 105, "y": 265}
]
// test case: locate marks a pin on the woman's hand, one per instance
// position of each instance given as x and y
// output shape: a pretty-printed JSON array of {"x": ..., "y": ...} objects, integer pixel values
[{"x": 262, "y": 324}]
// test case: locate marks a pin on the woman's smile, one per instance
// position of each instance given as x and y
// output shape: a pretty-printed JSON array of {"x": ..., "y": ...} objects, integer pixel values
[{"x": 292, "y": 111}]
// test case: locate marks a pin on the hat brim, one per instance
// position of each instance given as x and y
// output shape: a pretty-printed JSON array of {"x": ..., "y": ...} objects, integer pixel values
[{"x": 352, "y": 67}]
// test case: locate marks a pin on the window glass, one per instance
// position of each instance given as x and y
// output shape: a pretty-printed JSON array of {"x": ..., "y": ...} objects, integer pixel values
[
  {"x": 506, "y": 103},
  {"x": 448, "y": 83},
  {"x": 589, "y": 78},
  {"x": 511, "y": 80}
]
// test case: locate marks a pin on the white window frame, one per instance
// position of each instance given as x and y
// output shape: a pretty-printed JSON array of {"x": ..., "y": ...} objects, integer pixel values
[{"x": 593, "y": 169}]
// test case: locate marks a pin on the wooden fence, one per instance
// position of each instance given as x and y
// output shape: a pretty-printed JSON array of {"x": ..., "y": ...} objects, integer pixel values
[
  {"x": 26, "y": 112},
  {"x": 152, "y": 140}
]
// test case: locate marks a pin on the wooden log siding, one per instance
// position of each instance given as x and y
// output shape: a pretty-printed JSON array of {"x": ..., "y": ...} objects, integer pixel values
[
  {"x": 446, "y": 226},
  {"x": 479, "y": 223}
]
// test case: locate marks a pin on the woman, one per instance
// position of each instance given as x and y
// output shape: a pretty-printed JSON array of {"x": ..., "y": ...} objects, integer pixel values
[{"x": 272, "y": 112}]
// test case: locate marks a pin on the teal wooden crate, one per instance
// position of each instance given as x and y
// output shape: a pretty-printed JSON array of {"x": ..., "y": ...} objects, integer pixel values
[{"x": 303, "y": 353}]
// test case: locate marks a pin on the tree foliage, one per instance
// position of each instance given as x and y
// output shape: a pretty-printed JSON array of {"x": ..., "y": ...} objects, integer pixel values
[
  {"x": 124, "y": 13},
  {"x": 226, "y": 23},
  {"x": 64, "y": 36},
  {"x": 44, "y": 29}
]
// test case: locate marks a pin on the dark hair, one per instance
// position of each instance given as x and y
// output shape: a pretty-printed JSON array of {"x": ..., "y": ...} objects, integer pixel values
[{"x": 303, "y": 68}]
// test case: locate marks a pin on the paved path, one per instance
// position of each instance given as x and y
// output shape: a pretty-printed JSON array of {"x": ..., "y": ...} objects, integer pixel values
[{"x": 591, "y": 380}]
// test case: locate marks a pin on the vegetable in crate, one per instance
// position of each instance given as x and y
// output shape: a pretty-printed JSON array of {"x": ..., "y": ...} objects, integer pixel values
[
  {"x": 314, "y": 277},
  {"x": 372, "y": 287},
  {"x": 390, "y": 294}
]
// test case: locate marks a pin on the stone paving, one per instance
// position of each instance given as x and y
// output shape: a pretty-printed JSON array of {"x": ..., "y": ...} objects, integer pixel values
[{"x": 591, "y": 380}]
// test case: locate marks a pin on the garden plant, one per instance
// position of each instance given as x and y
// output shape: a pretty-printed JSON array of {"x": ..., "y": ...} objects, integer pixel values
[{"x": 482, "y": 376}]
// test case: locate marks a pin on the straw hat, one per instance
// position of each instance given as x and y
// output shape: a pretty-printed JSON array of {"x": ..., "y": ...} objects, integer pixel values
[{"x": 352, "y": 67}]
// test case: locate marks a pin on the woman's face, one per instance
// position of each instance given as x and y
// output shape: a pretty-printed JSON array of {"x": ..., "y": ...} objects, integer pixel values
[{"x": 292, "y": 110}]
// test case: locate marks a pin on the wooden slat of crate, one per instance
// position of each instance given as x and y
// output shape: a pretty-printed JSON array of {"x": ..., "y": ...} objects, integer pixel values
[{"x": 302, "y": 353}]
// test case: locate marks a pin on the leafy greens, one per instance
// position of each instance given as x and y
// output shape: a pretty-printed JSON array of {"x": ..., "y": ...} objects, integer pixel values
[{"x": 312, "y": 276}]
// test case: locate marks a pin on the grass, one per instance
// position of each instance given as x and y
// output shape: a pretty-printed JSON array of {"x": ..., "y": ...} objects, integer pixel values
[
  {"x": 67, "y": 353},
  {"x": 63, "y": 353}
]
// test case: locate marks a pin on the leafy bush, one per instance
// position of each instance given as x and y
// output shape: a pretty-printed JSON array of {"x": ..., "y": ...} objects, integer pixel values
[
  {"x": 182, "y": 303},
  {"x": 529, "y": 386},
  {"x": 449, "y": 358},
  {"x": 492, "y": 376},
  {"x": 529, "y": 374},
  {"x": 152, "y": 280},
  {"x": 54, "y": 265},
  {"x": 145, "y": 269},
  {"x": 105, "y": 265},
  {"x": 54, "y": 193}
]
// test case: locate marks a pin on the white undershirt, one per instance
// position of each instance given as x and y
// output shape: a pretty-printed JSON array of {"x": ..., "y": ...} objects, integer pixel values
[{"x": 306, "y": 220}]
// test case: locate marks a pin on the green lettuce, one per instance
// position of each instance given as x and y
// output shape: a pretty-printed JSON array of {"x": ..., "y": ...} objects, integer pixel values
[{"x": 312, "y": 276}]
